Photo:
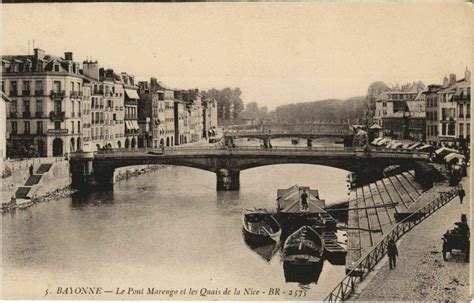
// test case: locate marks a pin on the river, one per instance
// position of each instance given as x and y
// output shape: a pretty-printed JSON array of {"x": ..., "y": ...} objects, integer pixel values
[{"x": 169, "y": 229}]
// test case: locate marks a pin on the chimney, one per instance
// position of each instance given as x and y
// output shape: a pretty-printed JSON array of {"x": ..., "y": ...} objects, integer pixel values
[
  {"x": 91, "y": 69},
  {"x": 467, "y": 75},
  {"x": 68, "y": 56},
  {"x": 452, "y": 79},
  {"x": 39, "y": 53},
  {"x": 445, "y": 81},
  {"x": 153, "y": 82}
]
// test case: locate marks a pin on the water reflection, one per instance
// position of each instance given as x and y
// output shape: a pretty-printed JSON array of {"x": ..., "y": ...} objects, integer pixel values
[{"x": 169, "y": 227}]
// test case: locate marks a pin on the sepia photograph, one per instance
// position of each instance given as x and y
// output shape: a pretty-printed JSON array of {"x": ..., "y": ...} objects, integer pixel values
[{"x": 236, "y": 151}]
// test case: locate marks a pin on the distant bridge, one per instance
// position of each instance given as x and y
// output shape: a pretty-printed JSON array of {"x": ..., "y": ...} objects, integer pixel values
[
  {"x": 266, "y": 133},
  {"x": 97, "y": 169}
]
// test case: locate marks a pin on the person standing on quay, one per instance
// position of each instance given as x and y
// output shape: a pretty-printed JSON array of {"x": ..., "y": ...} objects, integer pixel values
[
  {"x": 31, "y": 170},
  {"x": 461, "y": 194},
  {"x": 392, "y": 253}
]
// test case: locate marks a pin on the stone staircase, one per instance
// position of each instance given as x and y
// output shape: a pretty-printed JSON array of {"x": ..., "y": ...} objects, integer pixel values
[{"x": 23, "y": 191}]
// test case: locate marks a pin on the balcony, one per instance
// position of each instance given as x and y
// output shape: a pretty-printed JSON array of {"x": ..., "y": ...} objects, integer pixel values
[
  {"x": 13, "y": 93},
  {"x": 57, "y": 116},
  {"x": 57, "y": 131},
  {"x": 26, "y": 93},
  {"x": 462, "y": 98},
  {"x": 39, "y": 93},
  {"x": 13, "y": 115},
  {"x": 75, "y": 94},
  {"x": 98, "y": 92},
  {"x": 26, "y": 114},
  {"x": 57, "y": 94}
]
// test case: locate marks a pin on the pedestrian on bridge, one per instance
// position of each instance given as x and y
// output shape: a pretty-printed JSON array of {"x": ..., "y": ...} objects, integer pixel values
[
  {"x": 392, "y": 252},
  {"x": 461, "y": 194}
]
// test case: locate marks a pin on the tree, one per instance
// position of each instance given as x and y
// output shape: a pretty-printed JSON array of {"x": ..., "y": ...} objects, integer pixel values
[{"x": 229, "y": 103}]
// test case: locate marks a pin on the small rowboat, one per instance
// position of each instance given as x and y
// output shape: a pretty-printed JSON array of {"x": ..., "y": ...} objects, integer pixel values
[
  {"x": 260, "y": 226},
  {"x": 304, "y": 246}
]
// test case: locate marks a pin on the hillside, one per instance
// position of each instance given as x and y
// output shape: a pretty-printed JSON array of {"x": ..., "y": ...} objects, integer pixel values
[{"x": 325, "y": 110}]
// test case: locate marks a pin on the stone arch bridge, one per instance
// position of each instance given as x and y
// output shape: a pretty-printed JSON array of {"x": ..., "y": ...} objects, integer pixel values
[{"x": 97, "y": 169}]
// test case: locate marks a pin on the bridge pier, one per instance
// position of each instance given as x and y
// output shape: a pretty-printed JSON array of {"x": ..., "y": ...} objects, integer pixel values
[
  {"x": 84, "y": 174},
  {"x": 228, "y": 179},
  {"x": 267, "y": 143}
]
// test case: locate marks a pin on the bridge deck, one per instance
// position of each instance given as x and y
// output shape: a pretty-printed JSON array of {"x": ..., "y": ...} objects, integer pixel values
[{"x": 375, "y": 222}]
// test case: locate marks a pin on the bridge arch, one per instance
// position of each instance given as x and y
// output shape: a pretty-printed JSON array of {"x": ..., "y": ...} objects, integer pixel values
[{"x": 227, "y": 164}]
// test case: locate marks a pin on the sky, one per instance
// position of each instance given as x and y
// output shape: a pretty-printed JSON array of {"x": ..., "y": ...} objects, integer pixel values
[{"x": 277, "y": 53}]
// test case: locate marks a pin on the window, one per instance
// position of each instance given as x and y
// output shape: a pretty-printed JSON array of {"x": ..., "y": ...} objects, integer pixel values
[
  {"x": 26, "y": 105},
  {"x": 56, "y": 67},
  {"x": 78, "y": 126},
  {"x": 57, "y": 86},
  {"x": 13, "y": 106},
  {"x": 72, "y": 127},
  {"x": 57, "y": 124},
  {"x": 461, "y": 130},
  {"x": 39, "y": 106},
  {"x": 27, "y": 127},
  {"x": 26, "y": 85},
  {"x": 72, "y": 109},
  {"x": 3, "y": 86},
  {"x": 468, "y": 129},
  {"x": 39, "y": 127},
  {"x": 72, "y": 86},
  {"x": 14, "y": 127},
  {"x": 57, "y": 106},
  {"x": 14, "y": 87},
  {"x": 39, "y": 85}
]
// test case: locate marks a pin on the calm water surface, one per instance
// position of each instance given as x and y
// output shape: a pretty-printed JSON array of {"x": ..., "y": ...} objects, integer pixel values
[{"x": 167, "y": 229}]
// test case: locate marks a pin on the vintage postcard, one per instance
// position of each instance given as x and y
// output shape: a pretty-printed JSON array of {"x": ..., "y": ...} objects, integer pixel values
[{"x": 297, "y": 151}]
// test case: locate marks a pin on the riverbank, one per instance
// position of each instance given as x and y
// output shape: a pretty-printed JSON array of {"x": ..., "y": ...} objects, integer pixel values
[{"x": 421, "y": 272}]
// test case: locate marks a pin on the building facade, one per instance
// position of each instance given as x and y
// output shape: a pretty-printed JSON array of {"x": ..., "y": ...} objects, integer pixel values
[
  {"x": 3, "y": 126},
  {"x": 131, "y": 100},
  {"x": 44, "y": 117}
]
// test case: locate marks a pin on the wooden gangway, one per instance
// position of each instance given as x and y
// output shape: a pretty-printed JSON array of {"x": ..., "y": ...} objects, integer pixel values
[{"x": 372, "y": 210}]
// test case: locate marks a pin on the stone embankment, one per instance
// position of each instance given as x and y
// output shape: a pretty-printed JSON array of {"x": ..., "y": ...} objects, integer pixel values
[{"x": 421, "y": 272}]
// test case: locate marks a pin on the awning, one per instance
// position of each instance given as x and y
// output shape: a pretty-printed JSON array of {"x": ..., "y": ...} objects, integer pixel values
[
  {"x": 132, "y": 94},
  {"x": 157, "y": 121},
  {"x": 376, "y": 140},
  {"x": 414, "y": 145},
  {"x": 135, "y": 125},
  {"x": 424, "y": 147},
  {"x": 382, "y": 142},
  {"x": 162, "y": 130},
  {"x": 128, "y": 125},
  {"x": 453, "y": 156},
  {"x": 443, "y": 151},
  {"x": 376, "y": 126}
]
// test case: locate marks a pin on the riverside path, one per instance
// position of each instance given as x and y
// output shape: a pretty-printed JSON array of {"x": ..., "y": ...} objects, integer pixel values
[{"x": 421, "y": 273}]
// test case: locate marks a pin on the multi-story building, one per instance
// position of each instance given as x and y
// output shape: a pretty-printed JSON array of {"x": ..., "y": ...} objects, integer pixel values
[
  {"x": 209, "y": 117},
  {"x": 462, "y": 97},
  {"x": 180, "y": 119},
  {"x": 431, "y": 107},
  {"x": 3, "y": 126},
  {"x": 113, "y": 135},
  {"x": 151, "y": 114},
  {"x": 196, "y": 124},
  {"x": 93, "y": 118},
  {"x": 169, "y": 116},
  {"x": 131, "y": 110},
  {"x": 383, "y": 108},
  {"x": 45, "y": 110},
  {"x": 404, "y": 116},
  {"x": 447, "y": 111}
]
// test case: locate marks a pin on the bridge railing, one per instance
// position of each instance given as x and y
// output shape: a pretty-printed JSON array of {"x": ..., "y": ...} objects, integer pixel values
[
  {"x": 274, "y": 149},
  {"x": 367, "y": 263}
]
